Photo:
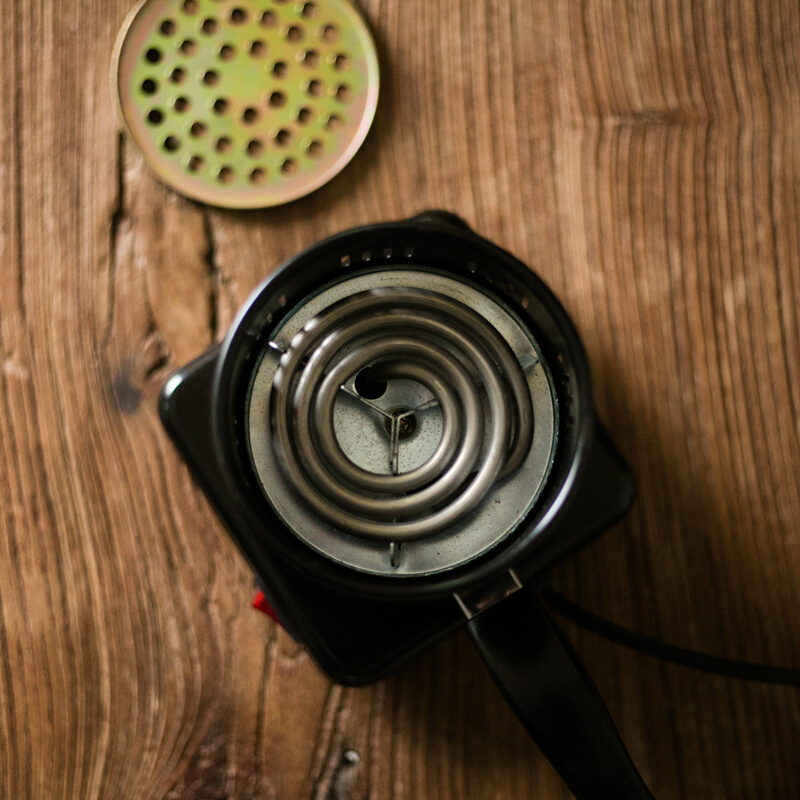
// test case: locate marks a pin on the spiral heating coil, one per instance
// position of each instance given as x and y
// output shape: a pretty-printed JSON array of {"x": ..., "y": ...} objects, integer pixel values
[{"x": 401, "y": 333}]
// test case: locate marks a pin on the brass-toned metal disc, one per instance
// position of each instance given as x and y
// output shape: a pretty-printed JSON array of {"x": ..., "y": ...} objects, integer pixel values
[{"x": 246, "y": 103}]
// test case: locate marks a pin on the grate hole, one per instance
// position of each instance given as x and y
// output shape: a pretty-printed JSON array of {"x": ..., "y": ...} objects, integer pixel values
[
  {"x": 190, "y": 6},
  {"x": 227, "y": 52},
  {"x": 211, "y": 78},
  {"x": 177, "y": 75},
  {"x": 304, "y": 116},
  {"x": 238, "y": 16},
  {"x": 277, "y": 99},
  {"x": 149, "y": 86},
  {"x": 314, "y": 88},
  {"x": 181, "y": 104},
  {"x": 333, "y": 122},
  {"x": 288, "y": 167},
  {"x": 223, "y": 144},
  {"x": 282, "y": 137},
  {"x": 258, "y": 49},
  {"x": 209, "y": 26},
  {"x": 167, "y": 27},
  {"x": 225, "y": 175},
  {"x": 279, "y": 69},
  {"x": 187, "y": 47},
  {"x": 220, "y": 105},
  {"x": 257, "y": 175},
  {"x": 311, "y": 59},
  {"x": 340, "y": 63},
  {"x": 198, "y": 129},
  {"x": 153, "y": 55},
  {"x": 329, "y": 33},
  {"x": 368, "y": 387},
  {"x": 155, "y": 117},
  {"x": 314, "y": 149},
  {"x": 343, "y": 93},
  {"x": 308, "y": 11},
  {"x": 249, "y": 115},
  {"x": 255, "y": 147},
  {"x": 268, "y": 19},
  {"x": 196, "y": 163},
  {"x": 294, "y": 33},
  {"x": 171, "y": 143}
]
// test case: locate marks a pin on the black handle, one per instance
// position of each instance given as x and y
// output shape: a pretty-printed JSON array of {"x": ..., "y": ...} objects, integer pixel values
[{"x": 544, "y": 681}]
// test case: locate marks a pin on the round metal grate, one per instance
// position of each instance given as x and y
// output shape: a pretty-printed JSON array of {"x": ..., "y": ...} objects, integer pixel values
[{"x": 243, "y": 103}]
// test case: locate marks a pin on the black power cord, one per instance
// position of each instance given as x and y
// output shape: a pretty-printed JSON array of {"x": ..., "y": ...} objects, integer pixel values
[{"x": 647, "y": 645}]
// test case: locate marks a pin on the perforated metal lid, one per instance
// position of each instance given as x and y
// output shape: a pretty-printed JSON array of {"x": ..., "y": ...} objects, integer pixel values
[{"x": 246, "y": 103}]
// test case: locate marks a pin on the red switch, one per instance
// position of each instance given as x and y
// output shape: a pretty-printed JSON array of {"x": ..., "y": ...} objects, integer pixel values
[{"x": 260, "y": 603}]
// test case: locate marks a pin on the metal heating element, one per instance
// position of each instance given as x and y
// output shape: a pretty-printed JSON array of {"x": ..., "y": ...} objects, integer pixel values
[{"x": 392, "y": 424}]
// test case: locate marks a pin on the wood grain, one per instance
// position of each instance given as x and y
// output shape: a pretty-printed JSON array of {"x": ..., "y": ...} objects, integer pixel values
[{"x": 644, "y": 158}]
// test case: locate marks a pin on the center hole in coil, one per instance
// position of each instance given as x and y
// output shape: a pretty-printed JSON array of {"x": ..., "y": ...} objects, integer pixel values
[
  {"x": 368, "y": 386},
  {"x": 408, "y": 425}
]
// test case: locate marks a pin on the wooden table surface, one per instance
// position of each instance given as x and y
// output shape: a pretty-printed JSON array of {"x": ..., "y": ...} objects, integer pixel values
[{"x": 644, "y": 158}]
